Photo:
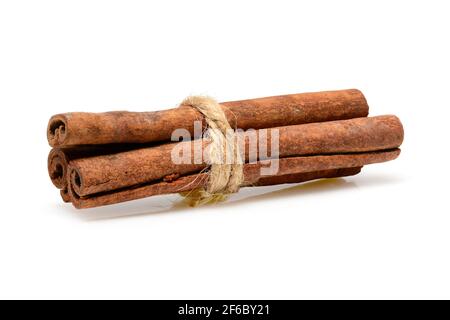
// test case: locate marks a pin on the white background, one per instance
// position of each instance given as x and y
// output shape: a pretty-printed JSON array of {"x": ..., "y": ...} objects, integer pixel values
[{"x": 382, "y": 234}]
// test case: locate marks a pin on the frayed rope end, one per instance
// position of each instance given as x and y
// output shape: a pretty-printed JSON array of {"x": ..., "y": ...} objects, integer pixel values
[{"x": 199, "y": 197}]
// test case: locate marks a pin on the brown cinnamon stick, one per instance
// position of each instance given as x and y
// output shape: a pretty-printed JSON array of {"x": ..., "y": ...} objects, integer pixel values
[
  {"x": 195, "y": 181},
  {"x": 57, "y": 163},
  {"x": 136, "y": 167},
  {"x": 80, "y": 128},
  {"x": 59, "y": 159},
  {"x": 252, "y": 174},
  {"x": 167, "y": 188}
]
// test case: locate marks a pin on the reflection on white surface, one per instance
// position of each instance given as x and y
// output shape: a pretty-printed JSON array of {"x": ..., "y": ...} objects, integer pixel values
[{"x": 175, "y": 204}]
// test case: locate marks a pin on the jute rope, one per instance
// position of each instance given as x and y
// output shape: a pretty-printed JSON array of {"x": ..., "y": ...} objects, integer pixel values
[{"x": 224, "y": 176}]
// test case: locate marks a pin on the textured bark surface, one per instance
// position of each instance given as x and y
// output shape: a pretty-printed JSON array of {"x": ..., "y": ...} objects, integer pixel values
[
  {"x": 80, "y": 128},
  {"x": 59, "y": 159},
  {"x": 127, "y": 169},
  {"x": 252, "y": 174}
]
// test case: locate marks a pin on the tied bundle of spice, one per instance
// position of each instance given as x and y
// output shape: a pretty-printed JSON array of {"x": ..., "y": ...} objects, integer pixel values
[{"x": 106, "y": 158}]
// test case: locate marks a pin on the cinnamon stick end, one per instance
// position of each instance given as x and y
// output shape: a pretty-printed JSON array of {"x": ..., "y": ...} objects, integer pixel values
[{"x": 57, "y": 130}]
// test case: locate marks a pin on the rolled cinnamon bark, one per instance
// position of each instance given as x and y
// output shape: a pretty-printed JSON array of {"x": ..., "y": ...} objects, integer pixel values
[
  {"x": 252, "y": 174},
  {"x": 59, "y": 159},
  {"x": 80, "y": 128},
  {"x": 57, "y": 164},
  {"x": 196, "y": 181},
  {"x": 127, "y": 169}
]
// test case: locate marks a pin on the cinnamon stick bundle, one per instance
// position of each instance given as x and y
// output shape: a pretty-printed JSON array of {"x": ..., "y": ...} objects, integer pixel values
[
  {"x": 305, "y": 148},
  {"x": 126, "y": 169},
  {"x": 79, "y": 128},
  {"x": 102, "y": 159}
]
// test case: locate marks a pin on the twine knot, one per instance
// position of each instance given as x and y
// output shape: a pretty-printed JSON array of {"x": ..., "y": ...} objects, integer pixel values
[{"x": 225, "y": 174}]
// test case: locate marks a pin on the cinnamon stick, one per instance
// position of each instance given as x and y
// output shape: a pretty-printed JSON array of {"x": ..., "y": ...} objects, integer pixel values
[
  {"x": 59, "y": 159},
  {"x": 127, "y": 169},
  {"x": 252, "y": 174},
  {"x": 167, "y": 188},
  {"x": 80, "y": 128},
  {"x": 194, "y": 181}
]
